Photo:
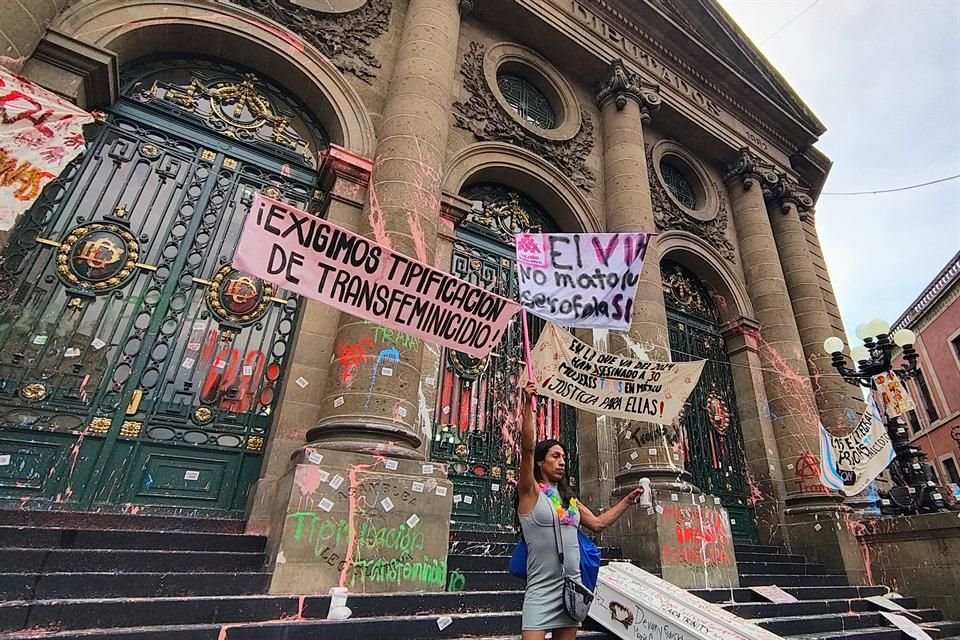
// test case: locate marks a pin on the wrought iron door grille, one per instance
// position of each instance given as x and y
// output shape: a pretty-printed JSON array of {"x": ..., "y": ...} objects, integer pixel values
[{"x": 476, "y": 428}]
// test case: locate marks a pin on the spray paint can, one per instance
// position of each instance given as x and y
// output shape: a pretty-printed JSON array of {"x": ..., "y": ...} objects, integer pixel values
[{"x": 646, "y": 498}]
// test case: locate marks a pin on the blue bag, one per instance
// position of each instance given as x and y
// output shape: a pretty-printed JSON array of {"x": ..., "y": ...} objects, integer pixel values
[
  {"x": 518, "y": 561},
  {"x": 589, "y": 561}
]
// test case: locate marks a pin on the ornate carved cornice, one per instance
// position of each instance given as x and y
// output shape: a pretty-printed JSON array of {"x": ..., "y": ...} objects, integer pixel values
[
  {"x": 622, "y": 85},
  {"x": 790, "y": 194},
  {"x": 776, "y": 184},
  {"x": 483, "y": 116},
  {"x": 344, "y": 38},
  {"x": 751, "y": 169}
]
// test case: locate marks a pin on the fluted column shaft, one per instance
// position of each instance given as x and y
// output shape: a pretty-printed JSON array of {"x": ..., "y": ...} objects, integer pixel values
[
  {"x": 790, "y": 396},
  {"x": 371, "y": 400},
  {"x": 813, "y": 322},
  {"x": 626, "y": 104}
]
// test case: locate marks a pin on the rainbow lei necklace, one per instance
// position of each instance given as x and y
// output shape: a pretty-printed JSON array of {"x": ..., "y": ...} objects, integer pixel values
[{"x": 566, "y": 516}]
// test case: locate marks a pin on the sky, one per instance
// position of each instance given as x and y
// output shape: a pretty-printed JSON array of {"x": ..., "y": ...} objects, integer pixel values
[{"x": 884, "y": 78}]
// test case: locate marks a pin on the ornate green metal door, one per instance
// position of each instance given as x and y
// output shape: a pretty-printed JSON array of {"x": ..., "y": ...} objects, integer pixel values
[
  {"x": 713, "y": 439},
  {"x": 476, "y": 428},
  {"x": 138, "y": 369}
]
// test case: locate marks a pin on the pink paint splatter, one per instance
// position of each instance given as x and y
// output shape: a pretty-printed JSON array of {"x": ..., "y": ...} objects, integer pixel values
[
  {"x": 378, "y": 221},
  {"x": 307, "y": 479},
  {"x": 354, "y": 501}
]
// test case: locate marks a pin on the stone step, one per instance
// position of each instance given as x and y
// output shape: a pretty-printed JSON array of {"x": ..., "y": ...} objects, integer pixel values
[
  {"x": 785, "y": 625},
  {"x": 809, "y": 607},
  {"x": 40, "y": 586},
  {"x": 508, "y": 537},
  {"x": 473, "y": 625},
  {"x": 47, "y": 538},
  {"x": 779, "y": 568},
  {"x": 128, "y": 612},
  {"x": 770, "y": 557},
  {"x": 68, "y": 614},
  {"x": 505, "y": 549},
  {"x": 743, "y": 595},
  {"x": 875, "y": 633},
  {"x": 755, "y": 548},
  {"x": 491, "y": 581},
  {"x": 117, "y": 521},
  {"x": 461, "y": 562},
  {"x": 90, "y": 560},
  {"x": 750, "y": 580}
]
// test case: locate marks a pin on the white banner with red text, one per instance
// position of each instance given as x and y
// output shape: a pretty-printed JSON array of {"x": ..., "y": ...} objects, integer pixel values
[{"x": 40, "y": 133}]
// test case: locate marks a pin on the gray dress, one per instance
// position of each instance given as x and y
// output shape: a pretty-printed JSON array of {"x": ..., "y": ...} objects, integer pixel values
[{"x": 543, "y": 600}]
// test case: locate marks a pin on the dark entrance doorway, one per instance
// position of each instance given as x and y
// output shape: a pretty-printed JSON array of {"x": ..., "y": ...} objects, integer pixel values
[
  {"x": 138, "y": 370},
  {"x": 714, "y": 439},
  {"x": 475, "y": 428}
]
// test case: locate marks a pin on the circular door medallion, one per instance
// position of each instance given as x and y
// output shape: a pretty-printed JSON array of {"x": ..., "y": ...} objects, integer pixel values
[
  {"x": 98, "y": 257},
  {"x": 235, "y": 296}
]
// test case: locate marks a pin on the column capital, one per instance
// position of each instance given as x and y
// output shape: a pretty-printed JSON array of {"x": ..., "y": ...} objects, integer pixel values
[
  {"x": 622, "y": 85},
  {"x": 791, "y": 195},
  {"x": 750, "y": 169},
  {"x": 466, "y": 6}
]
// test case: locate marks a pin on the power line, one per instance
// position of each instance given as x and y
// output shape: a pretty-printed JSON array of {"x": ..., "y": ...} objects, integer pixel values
[
  {"x": 788, "y": 23},
  {"x": 867, "y": 193}
]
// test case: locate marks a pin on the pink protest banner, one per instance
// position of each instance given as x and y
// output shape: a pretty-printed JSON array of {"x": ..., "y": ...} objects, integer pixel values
[
  {"x": 40, "y": 133},
  {"x": 315, "y": 258}
]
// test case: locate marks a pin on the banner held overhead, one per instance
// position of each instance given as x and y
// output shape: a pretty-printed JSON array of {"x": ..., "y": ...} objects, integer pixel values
[
  {"x": 574, "y": 373},
  {"x": 583, "y": 280},
  {"x": 315, "y": 258}
]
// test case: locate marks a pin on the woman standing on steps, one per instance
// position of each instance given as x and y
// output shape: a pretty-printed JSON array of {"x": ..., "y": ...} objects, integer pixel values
[{"x": 544, "y": 495}]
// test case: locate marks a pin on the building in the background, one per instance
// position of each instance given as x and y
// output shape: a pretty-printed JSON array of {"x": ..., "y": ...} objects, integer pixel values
[
  {"x": 935, "y": 424},
  {"x": 183, "y": 387}
]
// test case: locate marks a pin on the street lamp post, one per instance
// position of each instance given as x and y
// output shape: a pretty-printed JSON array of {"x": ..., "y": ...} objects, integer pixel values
[{"x": 914, "y": 490}]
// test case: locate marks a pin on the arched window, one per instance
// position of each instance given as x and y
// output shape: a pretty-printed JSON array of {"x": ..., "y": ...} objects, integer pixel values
[
  {"x": 528, "y": 101},
  {"x": 678, "y": 184}
]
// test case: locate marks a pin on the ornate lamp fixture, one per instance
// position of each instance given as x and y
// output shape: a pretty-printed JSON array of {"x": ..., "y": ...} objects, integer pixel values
[{"x": 915, "y": 490}]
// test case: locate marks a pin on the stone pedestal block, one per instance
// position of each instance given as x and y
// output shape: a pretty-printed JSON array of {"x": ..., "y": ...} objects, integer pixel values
[
  {"x": 825, "y": 537},
  {"x": 687, "y": 541},
  {"x": 368, "y": 523}
]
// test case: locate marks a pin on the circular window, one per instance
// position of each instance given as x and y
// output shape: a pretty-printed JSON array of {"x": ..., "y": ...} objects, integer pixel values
[
  {"x": 526, "y": 100},
  {"x": 678, "y": 184}
]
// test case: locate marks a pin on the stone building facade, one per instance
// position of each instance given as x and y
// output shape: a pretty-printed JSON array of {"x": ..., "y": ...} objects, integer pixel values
[
  {"x": 935, "y": 424},
  {"x": 441, "y": 127}
]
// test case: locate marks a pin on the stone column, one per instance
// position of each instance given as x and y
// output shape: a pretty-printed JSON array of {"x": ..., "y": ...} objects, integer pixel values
[
  {"x": 24, "y": 24},
  {"x": 787, "y": 204},
  {"x": 811, "y": 519},
  {"x": 371, "y": 399},
  {"x": 790, "y": 395},
  {"x": 626, "y": 103}
]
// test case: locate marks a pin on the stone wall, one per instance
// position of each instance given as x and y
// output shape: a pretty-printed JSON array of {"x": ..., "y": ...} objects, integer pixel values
[{"x": 916, "y": 555}]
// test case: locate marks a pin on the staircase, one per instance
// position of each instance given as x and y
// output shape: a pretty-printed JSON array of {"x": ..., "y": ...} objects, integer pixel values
[{"x": 201, "y": 585}]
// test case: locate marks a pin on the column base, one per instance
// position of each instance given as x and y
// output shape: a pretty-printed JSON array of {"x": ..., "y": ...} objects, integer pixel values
[
  {"x": 820, "y": 532},
  {"x": 366, "y": 438},
  {"x": 686, "y": 541},
  {"x": 372, "y": 524}
]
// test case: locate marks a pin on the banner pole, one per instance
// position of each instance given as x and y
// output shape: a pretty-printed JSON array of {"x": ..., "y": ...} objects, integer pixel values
[
  {"x": 528, "y": 356},
  {"x": 526, "y": 344}
]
